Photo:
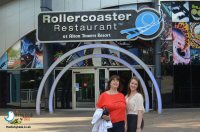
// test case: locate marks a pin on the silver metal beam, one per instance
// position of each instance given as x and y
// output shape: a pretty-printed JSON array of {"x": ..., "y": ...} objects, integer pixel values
[{"x": 97, "y": 56}]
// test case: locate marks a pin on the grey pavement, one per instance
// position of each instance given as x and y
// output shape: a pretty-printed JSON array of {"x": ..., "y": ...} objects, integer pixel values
[{"x": 171, "y": 120}]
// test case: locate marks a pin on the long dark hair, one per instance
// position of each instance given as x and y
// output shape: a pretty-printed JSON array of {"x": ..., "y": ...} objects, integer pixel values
[
  {"x": 139, "y": 89},
  {"x": 112, "y": 78}
]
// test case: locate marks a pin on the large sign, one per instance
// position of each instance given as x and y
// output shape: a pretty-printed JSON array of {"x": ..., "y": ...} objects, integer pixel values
[{"x": 103, "y": 25}]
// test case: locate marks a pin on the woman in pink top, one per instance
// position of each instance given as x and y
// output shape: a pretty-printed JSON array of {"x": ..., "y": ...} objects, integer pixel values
[{"x": 134, "y": 106}]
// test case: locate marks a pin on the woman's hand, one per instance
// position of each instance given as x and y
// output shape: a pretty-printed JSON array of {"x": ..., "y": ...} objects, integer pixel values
[
  {"x": 138, "y": 130},
  {"x": 126, "y": 128},
  {"x": 105, "y": 117}
]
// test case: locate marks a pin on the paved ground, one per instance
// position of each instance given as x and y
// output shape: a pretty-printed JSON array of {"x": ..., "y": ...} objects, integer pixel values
[{"x": 171, "y": 120}]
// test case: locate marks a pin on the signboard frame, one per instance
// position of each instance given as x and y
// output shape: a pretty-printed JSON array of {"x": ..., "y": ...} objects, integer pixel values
[{"x": 139, "y": 12}]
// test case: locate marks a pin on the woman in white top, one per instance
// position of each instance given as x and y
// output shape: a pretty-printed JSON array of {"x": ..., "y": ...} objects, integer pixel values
[{"x": 135, "y": 106}]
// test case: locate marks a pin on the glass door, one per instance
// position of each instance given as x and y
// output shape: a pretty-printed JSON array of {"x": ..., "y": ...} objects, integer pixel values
[
  {"x": 63, "y": 92},
  {"x": 29, "y": 84},
  {"x": 83, "y": 89}
]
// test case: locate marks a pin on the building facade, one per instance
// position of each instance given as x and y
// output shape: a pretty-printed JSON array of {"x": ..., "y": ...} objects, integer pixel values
[{"x": 21, "y": 56}]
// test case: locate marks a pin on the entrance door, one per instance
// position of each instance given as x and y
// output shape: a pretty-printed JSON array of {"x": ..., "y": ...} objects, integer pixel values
[{"x": 83, "y": 93}]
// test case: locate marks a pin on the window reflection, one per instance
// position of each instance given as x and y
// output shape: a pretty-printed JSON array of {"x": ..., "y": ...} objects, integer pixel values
[{"x": 30, "y": 81}]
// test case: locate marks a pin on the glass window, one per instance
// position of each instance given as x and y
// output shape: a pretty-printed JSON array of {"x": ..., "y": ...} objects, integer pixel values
[
  {"x": 10, "y": 88},
  {"x": 30, "y": 81},
  {"x": 182, "y": 85},
  {"x": 63, "y": 92},
  {"x": 102, "y": 80},
  {"x": 195, "y": 85},
  {"x": 167, "y": 86}
]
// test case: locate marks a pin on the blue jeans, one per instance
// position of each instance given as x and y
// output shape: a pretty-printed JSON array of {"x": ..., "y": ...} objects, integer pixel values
[{"x": 117, "y": 127}]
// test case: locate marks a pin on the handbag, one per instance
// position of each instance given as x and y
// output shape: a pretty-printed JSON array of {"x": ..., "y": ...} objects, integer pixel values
[{"x": 106, "y": 112}]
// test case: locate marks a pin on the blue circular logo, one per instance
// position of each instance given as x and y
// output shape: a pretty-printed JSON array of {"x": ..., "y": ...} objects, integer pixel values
[{"x": 147, "y": 23}]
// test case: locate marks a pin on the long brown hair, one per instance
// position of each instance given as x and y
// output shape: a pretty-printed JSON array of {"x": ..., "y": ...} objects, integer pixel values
[
  {"x": 139, "y": 89},
  {"x": 112, "y": 78}
]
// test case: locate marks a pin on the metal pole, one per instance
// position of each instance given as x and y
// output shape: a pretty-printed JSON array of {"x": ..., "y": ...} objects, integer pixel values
[
  {"x": 46, "y": 5},
  {"x": 157, "y": 57}
]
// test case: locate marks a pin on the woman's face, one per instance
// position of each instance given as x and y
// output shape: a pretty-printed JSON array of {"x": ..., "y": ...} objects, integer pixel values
[
  {"x": 133, "y": 85},
  {"x": 114, "y": 83}
]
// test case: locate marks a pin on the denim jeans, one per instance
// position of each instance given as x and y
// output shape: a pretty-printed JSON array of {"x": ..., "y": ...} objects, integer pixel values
[{"x": 117, "y": 127}]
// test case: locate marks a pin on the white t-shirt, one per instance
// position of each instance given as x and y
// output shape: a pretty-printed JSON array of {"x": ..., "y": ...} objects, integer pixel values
[{"x": 134, "y": 103}]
